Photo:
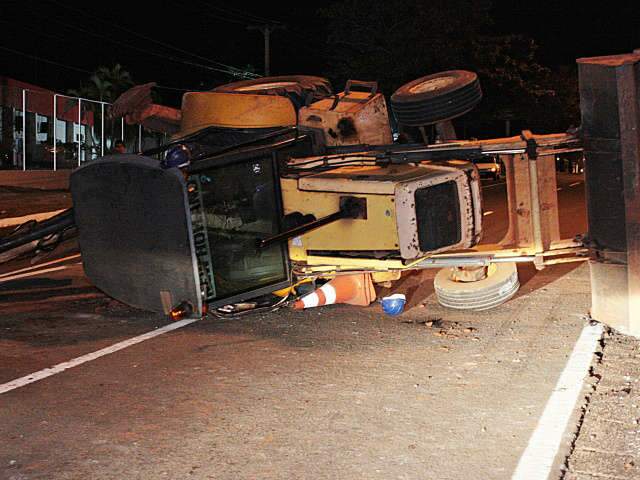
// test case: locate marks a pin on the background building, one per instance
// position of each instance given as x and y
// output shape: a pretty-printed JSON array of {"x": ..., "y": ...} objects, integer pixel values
[{"x": 82, "y": 131}]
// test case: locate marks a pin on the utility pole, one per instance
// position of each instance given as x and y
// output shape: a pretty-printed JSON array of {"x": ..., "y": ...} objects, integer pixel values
[{"x": 266, "y": 30}]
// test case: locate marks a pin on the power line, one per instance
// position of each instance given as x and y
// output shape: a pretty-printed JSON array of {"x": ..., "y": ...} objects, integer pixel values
[
  {"x": 224, "y": 19},
  {"x": 149, "y": 52},
  {"x": 254, "y": 19},
  {"x": 178, "y": 89},
  {"x": 82, "y": 70},
  {"x": 250, "y": 17},
  {"x": 39, "y": 32},
  {"x": 35, "y": 57},
  {"x": 158, "y": 42}
]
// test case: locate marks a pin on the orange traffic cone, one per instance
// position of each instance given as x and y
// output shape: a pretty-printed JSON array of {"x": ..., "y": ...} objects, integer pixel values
[{"x": 352, "y": 289}]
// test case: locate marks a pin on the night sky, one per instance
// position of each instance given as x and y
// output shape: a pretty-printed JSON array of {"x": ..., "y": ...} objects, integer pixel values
[{"x": 161, "y": 41}]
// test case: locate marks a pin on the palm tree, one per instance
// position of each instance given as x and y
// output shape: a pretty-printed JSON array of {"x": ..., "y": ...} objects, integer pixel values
[{"x": 105, "y": 84}]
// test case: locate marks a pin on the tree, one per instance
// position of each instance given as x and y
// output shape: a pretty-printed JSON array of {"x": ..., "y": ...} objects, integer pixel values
[
  {"x": 105, "y": 84},
  {"x": 396, "y": 41}
]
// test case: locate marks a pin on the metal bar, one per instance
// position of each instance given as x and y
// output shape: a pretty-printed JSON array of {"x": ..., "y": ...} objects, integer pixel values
[
  {"x": 548, "y": 196},
  {"x": 442, "y": 262},
  {"x": 498, "y": 251},
  {"x": 556, "y": 261},
  {"x": 24, "y": 129},
  {"x": 79, "y": 129},
  {"x": 535, "y": 205},
  {"x": 565, "y": 243},
  {"x": 102, "y": 129},
  {"x": 546, "y": 145},
  {"x": 55, "y": 125},
  {"x": 566, "y": 251},
  {"x": 122, "y": 129},
  {"x": 294, "y": 232},
  {"x": 139, "y": 137},
  {"x": 60, "y": 222},
  {"x": 509, "y": 237},
  {"x": 480, "y": 261}
]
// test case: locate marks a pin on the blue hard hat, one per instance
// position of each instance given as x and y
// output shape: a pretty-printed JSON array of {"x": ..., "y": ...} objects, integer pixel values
[
  {"x": 177, "y": 156},
  {"x": 393, "y": 304}
]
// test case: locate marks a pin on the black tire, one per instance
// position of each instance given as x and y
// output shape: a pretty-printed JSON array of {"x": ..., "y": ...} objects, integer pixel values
[
  {"x": 436, "y": 98},
  {"x": 302, "y": 90}
]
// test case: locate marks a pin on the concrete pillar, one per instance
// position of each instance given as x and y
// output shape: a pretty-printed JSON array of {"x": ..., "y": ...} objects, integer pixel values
[{"x": 610, "y": 107}]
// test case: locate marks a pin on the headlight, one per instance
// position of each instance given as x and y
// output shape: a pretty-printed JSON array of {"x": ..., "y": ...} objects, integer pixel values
[{"x": 493, "y": 169}]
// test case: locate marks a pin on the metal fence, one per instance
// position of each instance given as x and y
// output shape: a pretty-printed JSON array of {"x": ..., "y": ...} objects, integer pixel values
[{"x": 61, "y": 131}]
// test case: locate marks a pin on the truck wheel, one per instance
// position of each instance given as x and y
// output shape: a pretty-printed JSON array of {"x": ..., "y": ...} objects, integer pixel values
[
  {"x": 302, "y": 90},
  {"x": 500, "y": 284},
  {"x": 436, "y": 98}
]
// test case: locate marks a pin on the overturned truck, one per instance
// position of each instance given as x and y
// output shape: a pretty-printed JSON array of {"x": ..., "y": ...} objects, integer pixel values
[
  {"x": 275, "y": 180},
  {"x": 272, "y": 182}
]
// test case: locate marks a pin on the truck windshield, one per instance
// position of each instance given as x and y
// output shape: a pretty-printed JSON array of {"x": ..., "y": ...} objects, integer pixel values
[{"x": 232, "y": 207}]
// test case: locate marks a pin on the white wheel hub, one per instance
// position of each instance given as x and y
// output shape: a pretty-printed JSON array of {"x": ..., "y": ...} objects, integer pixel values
[
  {"x": 500, "y": 284},
  {"x": 432, "y": 84}
]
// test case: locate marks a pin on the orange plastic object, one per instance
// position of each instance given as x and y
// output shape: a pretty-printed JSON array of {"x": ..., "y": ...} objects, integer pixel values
[{"x": 352, "y": 289}]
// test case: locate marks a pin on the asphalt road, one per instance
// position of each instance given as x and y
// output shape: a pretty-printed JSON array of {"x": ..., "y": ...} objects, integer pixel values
[{"x": 337, "y": 392}]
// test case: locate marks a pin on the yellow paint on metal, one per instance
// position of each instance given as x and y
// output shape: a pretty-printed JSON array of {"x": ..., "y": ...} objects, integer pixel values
[
  {"x": 367, "y": 116},
  {"x": 381, "y": 277},
  {"x": 376, "y": 232},
  {"x": 283, "y": 292},
  {"x": 355, "y": 102},
  {"x": 231, "y": 110},
  {"x": 323, "y": 265},
  {"x": 361, "y": 179}
]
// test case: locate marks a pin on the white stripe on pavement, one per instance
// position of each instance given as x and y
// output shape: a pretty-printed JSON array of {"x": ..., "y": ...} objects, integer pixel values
[
  {"x": 38, "y": 217},
  {"x": 574, "y": 184},
  {"x": 61, "y": 367},
  {"x": 40, "y": 265},
  {"x": 494, "y": 185},
  {"x": 33, "y": 274},
  {"x": 538, "y": 458}
]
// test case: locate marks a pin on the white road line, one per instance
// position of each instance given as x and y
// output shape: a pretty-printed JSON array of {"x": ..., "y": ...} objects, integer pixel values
[
  {"x": 32, "y": 274},
  {"x": 38, "y": 217},
  {"x": 574, "y": 184},
  {"x": 488, "y": 212},
  {"x": 40, "y": 265},
  {"x": 538, "y": 458},
  {"x": 61, "y": 367},
  {"x": 493, "y": 185}
]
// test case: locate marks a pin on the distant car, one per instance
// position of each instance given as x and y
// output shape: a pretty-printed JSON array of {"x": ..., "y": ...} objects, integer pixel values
[{"x": 489, "y": 167}]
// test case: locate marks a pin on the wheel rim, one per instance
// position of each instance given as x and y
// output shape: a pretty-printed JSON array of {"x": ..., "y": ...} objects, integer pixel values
[
  {"x": 485, "y": 295},
  {"x": 432, "y": 84},
  {"x": 265, "y": 86}
]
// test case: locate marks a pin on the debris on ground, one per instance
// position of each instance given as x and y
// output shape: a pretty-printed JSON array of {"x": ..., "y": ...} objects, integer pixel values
[
  {"x": 427, "y": 322},
  {"x": 109, "y": 305}
]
